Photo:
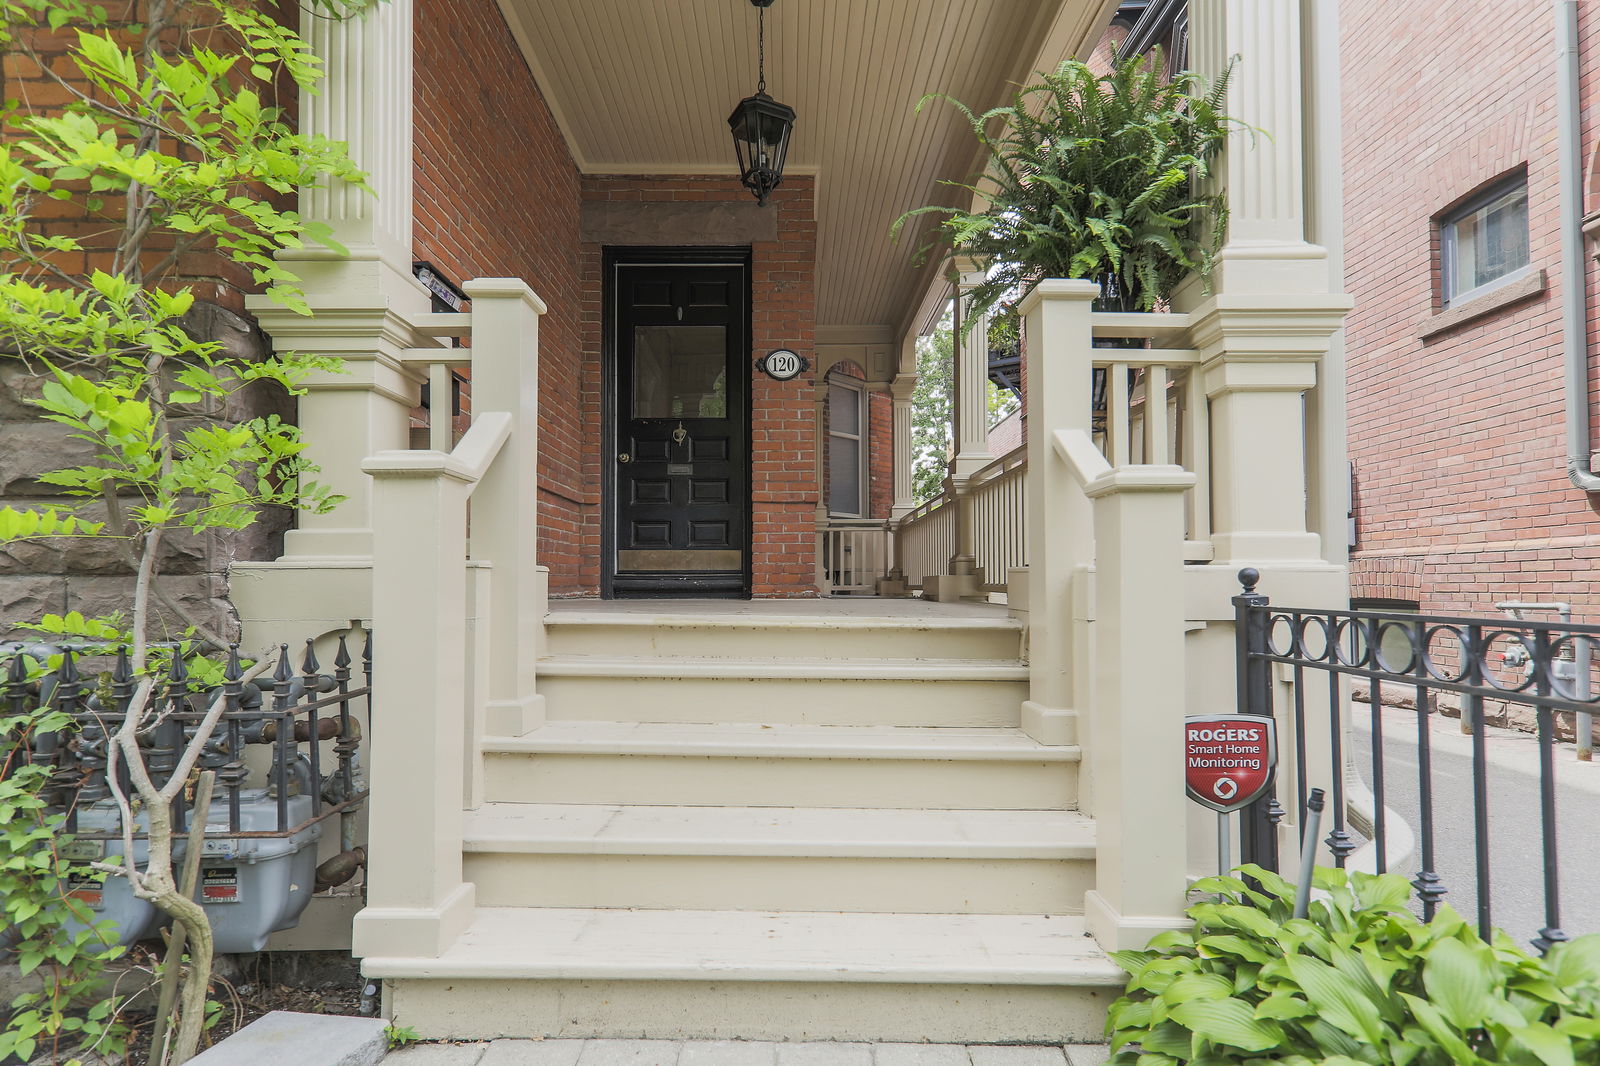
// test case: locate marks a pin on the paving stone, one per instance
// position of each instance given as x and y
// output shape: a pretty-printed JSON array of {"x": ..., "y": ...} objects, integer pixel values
[
  {"x": 1031, "y": 1055},
  {"x": 629, "y": 1053},
  {"x": 437, "y": 1055},
  {"x": 824, "y": 1053},
  {"x": 533, "y": 1053},
  {"x": 1088, "y": 1054},
  {"x": 302, "y": 1039},
  {"x": 727, "y": 1053},
  {"x": 920, "y": 1055}
]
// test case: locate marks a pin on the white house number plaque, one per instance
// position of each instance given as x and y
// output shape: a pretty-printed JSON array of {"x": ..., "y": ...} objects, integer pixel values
[{"x": 782, "y": 365}]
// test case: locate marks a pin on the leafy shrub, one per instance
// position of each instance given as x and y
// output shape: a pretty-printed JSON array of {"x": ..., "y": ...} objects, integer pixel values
[
  {"x": 74, "y": 1010},
  {"x": 1361, "y": 982}
]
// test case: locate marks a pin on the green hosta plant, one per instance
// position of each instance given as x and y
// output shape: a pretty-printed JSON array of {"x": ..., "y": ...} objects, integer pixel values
[
  {"x": 1360, "y": 982},
  {"x": 1096, "y": 176}
]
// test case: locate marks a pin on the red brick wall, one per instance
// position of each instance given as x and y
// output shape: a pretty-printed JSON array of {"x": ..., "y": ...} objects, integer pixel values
[
  {"x": 880, "y": 452},
  {"x": 497, "y": 196},
  {"x": 784, "y": 489},
  {"x": 1461, "y": 497}
]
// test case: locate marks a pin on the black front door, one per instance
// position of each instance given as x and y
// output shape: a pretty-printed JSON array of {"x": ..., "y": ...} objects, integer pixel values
[{"x": 679, "y": 510}]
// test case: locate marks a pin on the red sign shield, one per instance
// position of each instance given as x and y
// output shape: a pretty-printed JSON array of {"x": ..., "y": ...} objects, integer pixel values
[{"x": 1228, "y": 758}]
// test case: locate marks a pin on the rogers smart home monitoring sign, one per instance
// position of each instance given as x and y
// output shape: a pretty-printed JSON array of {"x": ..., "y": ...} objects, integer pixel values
[{"x": 1228, "y": 758}]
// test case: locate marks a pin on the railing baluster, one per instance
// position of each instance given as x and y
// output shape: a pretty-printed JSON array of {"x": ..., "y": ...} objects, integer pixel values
[
  {"x": 1380, "y": 818},
  {"x": 308, "y": 673},
  {"x": 1299, "y": 739},
  {"x": 233, "y": 773},
  {"x": 1472, "y": 710},
  {"x": 1544, "y": 668},
  {"x": 1340, "y": 842},
  {"x": 281, "y": 707},
  {"x": 1117, "y": 430},
  {"x": 1430, "y": 888}
]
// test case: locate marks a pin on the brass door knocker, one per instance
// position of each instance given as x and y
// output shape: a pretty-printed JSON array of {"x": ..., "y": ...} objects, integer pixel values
[{"x": 680, "y": 434}]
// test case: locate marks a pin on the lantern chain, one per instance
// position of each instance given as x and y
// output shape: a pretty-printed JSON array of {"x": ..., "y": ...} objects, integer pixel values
[{"x": 761, "y": 50}]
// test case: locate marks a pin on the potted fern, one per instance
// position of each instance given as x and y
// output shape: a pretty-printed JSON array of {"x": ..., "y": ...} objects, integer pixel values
[{"x": 1097, "y": 176}]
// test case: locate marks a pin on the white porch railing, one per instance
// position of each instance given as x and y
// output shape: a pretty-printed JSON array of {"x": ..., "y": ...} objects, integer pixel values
[
  {"x": 998, "y": 498},
  {"x": 852, "y": 555},
  {"x": 925, "y": 540},
  {"x": 1153, "y": 411}
]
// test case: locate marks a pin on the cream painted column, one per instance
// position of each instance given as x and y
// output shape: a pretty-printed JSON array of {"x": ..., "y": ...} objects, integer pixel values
[
  {"x": 905, "y": 499},
  {"x": 1135, "y": 742},
  {"x": 1060, "y": 526},
  {"x": 1266, "y": 330},
  {"x": 971, "y": 404},
  {"x": 359, "y": 302},
  {"x": 505, "y": 507}
]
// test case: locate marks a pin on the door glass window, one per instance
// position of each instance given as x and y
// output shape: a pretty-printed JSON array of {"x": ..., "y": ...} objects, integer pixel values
[{"x": 680, "y": 372}]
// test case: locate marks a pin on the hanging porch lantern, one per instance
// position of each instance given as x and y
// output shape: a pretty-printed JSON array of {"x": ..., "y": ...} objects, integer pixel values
[{"x": 761, "y": 126}]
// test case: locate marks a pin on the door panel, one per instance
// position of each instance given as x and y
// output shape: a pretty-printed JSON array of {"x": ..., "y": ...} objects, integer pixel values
[{"x": 679, "y": 509}]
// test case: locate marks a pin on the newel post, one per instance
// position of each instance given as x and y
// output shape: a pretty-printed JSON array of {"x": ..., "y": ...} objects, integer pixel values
[
  {"x": 505, "y": 508},
  {"x": 1060, "y": 526},
  {"x": 1135, "y": 743},
  {"x": 1258, "y": 823},
  {"x": 417, "y": 901}
]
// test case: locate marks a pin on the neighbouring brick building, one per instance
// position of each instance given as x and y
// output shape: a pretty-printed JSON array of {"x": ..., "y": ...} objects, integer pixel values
[{"x": 1454, "y": 224}]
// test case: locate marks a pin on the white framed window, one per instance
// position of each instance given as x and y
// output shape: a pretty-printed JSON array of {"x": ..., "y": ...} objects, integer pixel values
[
  {"x": 1483, "y": 241},
  {"x": 847, "y": 447}
]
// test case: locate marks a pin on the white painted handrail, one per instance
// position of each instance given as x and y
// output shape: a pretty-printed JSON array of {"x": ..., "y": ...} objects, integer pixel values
[
  {"x": 467, "y": 462},
  {"x": 1083, "y": 459}
]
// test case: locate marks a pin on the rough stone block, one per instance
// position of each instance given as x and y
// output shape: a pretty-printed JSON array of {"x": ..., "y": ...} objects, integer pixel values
[{"x": 301, "y": 1039}]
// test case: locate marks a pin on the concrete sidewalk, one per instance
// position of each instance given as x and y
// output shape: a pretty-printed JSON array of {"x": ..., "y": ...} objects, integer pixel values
[{"x": 740, "y": 1053}]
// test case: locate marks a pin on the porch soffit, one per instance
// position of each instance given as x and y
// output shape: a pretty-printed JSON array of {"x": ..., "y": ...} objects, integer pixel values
[{"x": 645, "y": 86}]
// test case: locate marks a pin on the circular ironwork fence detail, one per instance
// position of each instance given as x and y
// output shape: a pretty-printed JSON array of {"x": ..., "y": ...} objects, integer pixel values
[
  {"x": 1408, "y": 631},
  {"x": 1527, "y": 678},
  {"x": 1353, "y": 632},
  {"x": 1314, "y": 646},
  {"x": 1463, "y": 653},
  {"x": 1574, "y": 648}
]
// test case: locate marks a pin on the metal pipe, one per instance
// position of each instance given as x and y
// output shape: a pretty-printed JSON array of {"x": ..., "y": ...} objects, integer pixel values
[
  {"x": 1308, "y": 852},
  {"x": 1582, "y": 683},
  {"x": 1574, "y": 282}
]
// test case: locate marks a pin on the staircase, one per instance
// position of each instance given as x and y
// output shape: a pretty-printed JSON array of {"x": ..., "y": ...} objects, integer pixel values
[{"x": 769, "y": 822}]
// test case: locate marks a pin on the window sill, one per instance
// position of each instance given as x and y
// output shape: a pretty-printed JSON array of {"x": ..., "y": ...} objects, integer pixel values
[{"x": 1516, "y": 288}]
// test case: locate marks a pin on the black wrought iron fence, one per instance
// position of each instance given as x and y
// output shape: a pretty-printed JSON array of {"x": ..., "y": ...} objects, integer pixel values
[
  {"x": 287, "y": 714},
  {"x": 1413, "y": 666}
]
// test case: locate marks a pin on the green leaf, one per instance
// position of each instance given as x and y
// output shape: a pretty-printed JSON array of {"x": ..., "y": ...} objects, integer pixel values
[
  {"x": 1337, "y": 999},
  {"x": 1228, "y": 1022},
  {"x": 1459, "y": 982},
  {"x": 1550, "y": 1047}
]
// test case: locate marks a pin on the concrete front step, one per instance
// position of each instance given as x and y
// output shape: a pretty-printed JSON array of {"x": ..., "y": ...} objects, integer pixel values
[
  {"x": 773, "y": 633},
  {"x": 745, "y": 764},
  {"x": 790, "y": 690},
  {"x": 682, "y": 974},
  {"x": 776, "y": 858}
]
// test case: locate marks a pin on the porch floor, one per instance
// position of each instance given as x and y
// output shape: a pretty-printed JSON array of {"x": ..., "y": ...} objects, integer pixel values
[{"x": 768, "y": 610}]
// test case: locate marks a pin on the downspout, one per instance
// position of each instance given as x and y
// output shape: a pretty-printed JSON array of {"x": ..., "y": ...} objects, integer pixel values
[{"x": 1574, "y": 283}]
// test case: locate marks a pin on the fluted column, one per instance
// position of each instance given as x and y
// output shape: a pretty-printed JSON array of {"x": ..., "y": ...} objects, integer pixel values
[
  {"x": 904, "y": 454},
  {"x": 365, "y": 102},
  {"x": 1274, "y": 313},
  {"x": 971, "y": 383},
  {"x": 1264, "y": 173},
  {"x": 359, "y": 301}
]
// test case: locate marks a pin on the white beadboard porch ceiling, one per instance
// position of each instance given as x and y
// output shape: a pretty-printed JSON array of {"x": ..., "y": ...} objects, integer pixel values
[{"x": 645, "y": 86}]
